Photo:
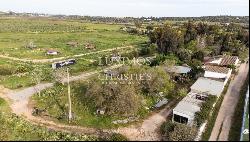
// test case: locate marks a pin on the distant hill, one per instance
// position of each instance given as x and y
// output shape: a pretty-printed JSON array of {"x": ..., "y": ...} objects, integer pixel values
[{"x": 219, "y": 19}]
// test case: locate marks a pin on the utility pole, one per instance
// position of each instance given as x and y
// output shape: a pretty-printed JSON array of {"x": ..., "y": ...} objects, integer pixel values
[{"x": 69, "y": 98}]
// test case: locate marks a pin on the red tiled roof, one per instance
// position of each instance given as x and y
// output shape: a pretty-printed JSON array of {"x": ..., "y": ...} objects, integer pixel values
[
  {"x": 217, "y": 69},
  {"x": 228, "y": 60}
]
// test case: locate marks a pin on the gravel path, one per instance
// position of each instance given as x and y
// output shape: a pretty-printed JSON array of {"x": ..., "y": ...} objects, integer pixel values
[{"x": 229, "y": 103}]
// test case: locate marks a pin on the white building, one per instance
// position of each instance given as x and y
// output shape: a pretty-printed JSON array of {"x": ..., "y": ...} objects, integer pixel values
[
  {"x": 208, "y": 85},
  {"x": 217, "y": 72},
  {"x": 185, "y": 111}
]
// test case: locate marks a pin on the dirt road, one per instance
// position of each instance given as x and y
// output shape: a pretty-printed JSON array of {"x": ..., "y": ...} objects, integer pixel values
[
  {"x": 148, "y": 130},
  {"x": 228, "y": 106},
  {"x": 61, "y": 58}
]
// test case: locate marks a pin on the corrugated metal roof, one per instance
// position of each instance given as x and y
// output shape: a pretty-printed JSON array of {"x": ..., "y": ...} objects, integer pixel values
[
  {"x": 228, "y": 60},
  {"x": 178, "y": 69},
  {"x": 188, "y": 106},
  {"x": 209, "y": 86}
]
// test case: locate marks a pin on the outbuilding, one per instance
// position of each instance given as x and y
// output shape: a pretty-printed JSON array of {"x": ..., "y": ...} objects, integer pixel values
[{"x": 209, "y": 86}]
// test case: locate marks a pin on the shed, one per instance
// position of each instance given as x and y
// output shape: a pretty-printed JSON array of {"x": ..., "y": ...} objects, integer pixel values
[{"x": 185, "y": 111}]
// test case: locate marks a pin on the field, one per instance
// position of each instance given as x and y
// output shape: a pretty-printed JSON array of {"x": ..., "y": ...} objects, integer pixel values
[
  {"x": 50, "y": 34},
  {"x": 47, "y": 34}
]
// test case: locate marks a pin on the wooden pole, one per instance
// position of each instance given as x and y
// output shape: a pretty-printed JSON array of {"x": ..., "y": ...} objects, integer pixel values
[{"x": 69, "y": 97}]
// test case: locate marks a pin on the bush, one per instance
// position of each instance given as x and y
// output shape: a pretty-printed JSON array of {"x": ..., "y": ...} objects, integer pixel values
[
  {"x": 177, "y": 132},
  {"x": 4, "y": 70},
  {"x": 203, "y": 114},
  {"x": 117, "y": 137}
]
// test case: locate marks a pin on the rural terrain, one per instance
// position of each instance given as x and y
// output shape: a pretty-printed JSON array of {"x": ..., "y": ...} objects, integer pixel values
[{"x": 115, "y": 79}]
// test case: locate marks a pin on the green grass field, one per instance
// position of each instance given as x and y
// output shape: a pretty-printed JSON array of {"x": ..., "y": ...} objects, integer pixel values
[
  {"x": 46, "y": 34},
  {"x": 52, "y": 34}
]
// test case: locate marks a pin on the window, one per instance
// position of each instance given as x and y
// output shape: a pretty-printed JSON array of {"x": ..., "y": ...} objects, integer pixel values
[{"x": 180, "y": 119}]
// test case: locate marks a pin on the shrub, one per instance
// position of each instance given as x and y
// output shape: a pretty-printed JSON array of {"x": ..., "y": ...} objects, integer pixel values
[
  {"x": 117, "y": 137},
  {"x": 4, "y": 70},
  {"x": 177, "y": 132},
  {"x": 203, "y": 114}
]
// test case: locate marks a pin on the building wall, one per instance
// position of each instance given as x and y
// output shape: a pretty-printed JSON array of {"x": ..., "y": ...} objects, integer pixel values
[
  {"x": 190, "y": 118},
  {"x": 218, "y": 75}
]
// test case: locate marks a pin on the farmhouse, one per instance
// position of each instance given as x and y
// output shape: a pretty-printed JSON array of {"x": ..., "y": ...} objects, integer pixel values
[
  {"x": 217, "y": 72},
  {"x": 208, "y": 85},
  {"x": 185, "y": 111}
]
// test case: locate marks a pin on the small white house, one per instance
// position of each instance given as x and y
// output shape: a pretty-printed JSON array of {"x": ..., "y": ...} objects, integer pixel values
[
  {"x": 217, "y": 72},
  {"x": 185, "y": 111}
]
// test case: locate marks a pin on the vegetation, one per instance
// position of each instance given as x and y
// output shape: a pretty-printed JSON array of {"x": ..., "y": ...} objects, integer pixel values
[
  {"x": 42, "y": 35},
  {"x": 178, "y": 132},
  {"x": 14, "y": 128},
  {"x": 235, "y": 131},
  {"x": 197, "y": 40},
  {"x": 206, "y": 108},
  {"x": 117, "y": 98}
]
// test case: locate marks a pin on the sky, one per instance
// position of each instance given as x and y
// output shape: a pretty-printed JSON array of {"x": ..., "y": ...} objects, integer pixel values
[{"x": 130, "y": 8}]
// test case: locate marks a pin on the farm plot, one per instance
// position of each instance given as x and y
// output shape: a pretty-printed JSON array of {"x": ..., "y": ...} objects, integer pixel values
[{"x": 26, "y": 38}]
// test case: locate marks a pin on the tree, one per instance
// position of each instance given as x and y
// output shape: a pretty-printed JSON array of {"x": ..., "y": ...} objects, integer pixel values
[
  {"x": 60, "y": 75},
  {"x": 37, "y": 77},
  {"x": 184, "y": 55},
  {"x": 115, "y": 99},
  {"x": 202, "y": 28},
  {"x": 138, "y": 24},
  {"x": 199, "y": 55},
  {"x": 191, "y": 32},
  {"x": 167, "y": 39},
  {"x": 159, "y": 82}
]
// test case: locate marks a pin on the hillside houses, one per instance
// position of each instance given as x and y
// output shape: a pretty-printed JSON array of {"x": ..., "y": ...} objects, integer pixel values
[{"x": 213, "y": 82}]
